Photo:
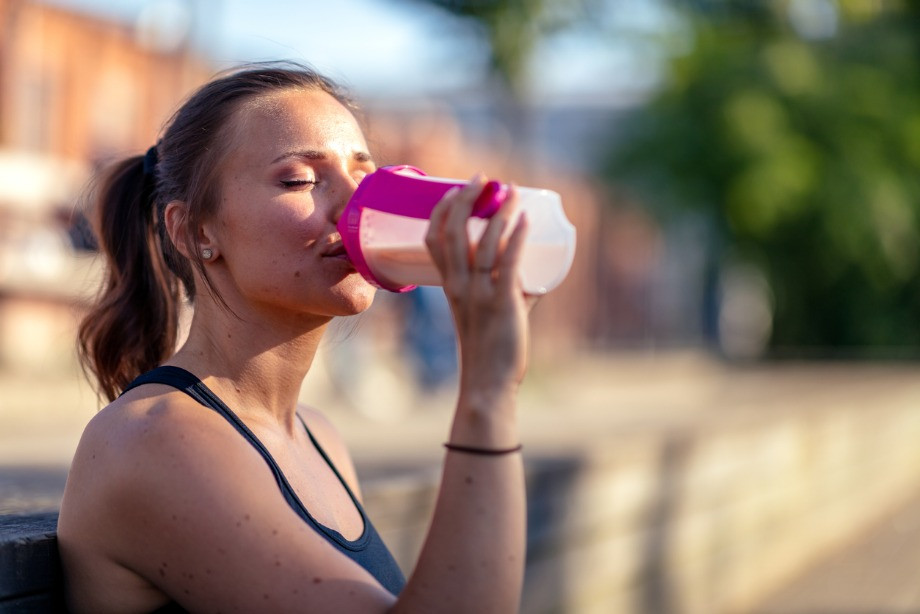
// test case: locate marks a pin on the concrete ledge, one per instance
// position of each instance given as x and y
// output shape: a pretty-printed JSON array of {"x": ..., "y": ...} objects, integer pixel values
[
  {"x": 30, "y": 573},
  {"x": 708, "y": 518}
]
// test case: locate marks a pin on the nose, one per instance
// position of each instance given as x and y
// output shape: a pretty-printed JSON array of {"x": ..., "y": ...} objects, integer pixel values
[{"x": 345, "y": 186}]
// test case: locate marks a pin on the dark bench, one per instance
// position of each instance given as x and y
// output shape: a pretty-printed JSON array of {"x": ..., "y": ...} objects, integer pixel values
[{"x": 30, "y": 570}]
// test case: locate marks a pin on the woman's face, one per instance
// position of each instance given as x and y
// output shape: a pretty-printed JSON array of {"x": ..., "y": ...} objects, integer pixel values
[{"x": 296, "y": 158}]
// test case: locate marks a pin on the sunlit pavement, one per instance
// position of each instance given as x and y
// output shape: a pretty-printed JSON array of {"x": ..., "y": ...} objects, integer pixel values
[{"x": 564, "y": 408}]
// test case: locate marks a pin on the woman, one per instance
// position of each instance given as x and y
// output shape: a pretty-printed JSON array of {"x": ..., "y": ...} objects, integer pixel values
[{"x": 203, "y": 486}]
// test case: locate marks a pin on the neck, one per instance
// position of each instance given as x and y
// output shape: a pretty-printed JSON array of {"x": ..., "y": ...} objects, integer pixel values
[{"x": 256, "y": 364}]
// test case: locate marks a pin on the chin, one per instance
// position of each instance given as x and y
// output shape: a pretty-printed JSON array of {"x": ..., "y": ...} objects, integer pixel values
[{"x": 355, "y": 295}]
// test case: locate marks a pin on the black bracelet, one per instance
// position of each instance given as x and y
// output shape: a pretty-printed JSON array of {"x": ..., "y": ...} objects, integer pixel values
[{"x": 483, "y": 451}]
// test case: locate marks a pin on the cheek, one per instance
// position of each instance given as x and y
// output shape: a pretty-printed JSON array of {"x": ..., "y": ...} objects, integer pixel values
[{"x": 277, "y": 227}]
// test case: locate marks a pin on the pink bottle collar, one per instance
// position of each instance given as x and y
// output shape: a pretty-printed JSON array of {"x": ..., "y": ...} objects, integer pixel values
[{"x": 399, "y": 190}]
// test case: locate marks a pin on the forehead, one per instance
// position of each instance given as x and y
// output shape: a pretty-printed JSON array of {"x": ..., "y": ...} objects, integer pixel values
[{"x": 293, "y": 119}]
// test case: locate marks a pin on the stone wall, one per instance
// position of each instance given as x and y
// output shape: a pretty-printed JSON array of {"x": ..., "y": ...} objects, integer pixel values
[{"x": 705, "y": 518}]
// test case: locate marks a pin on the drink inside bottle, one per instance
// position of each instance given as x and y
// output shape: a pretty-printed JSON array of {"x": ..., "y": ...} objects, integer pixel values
[{"x": 394, "y": 248}]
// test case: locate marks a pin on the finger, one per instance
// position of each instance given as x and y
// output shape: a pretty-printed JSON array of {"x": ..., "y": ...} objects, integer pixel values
[
  {"x": 490, "y": 242},
  {"x": 434, "y": 236},
  {"x": 509, "y": 260},
  {"x": 454, "y": 233},
  {"x": 494, "y": 233},
  {"x": 484, "y": 258}
]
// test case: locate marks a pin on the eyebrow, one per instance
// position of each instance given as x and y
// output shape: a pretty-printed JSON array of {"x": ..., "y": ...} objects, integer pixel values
[{"x": 313, "y": 154}]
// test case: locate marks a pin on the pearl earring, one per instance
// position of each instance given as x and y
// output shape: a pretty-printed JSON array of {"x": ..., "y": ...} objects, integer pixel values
[{"x": 207, "y": 253}]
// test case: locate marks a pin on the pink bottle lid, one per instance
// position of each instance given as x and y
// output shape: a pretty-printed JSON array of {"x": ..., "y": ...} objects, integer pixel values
[{"x": 402, "y": 190}]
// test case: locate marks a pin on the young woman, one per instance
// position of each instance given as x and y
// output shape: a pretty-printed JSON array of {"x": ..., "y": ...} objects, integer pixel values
[{"x": 203, "y": 486}]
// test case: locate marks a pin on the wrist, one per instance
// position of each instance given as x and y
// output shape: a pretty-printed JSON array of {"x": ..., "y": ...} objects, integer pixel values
[{"x": 486, "y": 418}]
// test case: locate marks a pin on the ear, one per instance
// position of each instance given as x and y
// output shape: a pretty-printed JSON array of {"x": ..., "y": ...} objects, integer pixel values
[{"x": 176, "y": 218}]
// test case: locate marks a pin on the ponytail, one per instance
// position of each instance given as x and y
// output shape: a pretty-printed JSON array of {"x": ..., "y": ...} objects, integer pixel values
[{"x": 133, "y": 326}]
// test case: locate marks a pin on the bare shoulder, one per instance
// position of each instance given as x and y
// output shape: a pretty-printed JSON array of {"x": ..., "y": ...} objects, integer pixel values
[
  {"x": 142, "y": 416},
  {"x": 330, "y": 439},
  {"x": 167, "y": 501},
  {"x": 128, "y": 455},
  {"x": 153, "y": 434},
  {"x": 139, "y": 434}
]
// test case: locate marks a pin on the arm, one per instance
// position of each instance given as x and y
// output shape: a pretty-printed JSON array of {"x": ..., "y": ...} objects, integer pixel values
[{"x": 473, "y": 557}]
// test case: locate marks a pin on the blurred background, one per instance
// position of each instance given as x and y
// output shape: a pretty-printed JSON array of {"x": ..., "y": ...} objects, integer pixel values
[{"x": 721, "y": 410}]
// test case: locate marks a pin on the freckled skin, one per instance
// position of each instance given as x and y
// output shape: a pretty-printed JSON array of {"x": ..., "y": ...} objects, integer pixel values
[{"x": 300, "y": 221}]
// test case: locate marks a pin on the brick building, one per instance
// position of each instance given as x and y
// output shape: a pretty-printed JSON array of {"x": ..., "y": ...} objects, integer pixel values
[
  {"x": 74, "y": 89},
  {"x": 75, "y": 86}
]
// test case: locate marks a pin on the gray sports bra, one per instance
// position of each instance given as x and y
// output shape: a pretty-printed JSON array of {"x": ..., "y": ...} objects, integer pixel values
[{"x": 368, "y": 550}]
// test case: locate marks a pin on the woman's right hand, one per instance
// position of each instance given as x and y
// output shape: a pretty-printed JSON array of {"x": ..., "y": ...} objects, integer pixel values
[{"x": 483, "y": 287}]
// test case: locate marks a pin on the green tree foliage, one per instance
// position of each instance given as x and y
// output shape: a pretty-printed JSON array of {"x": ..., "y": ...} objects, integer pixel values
[{"x": 804, "y": 151}]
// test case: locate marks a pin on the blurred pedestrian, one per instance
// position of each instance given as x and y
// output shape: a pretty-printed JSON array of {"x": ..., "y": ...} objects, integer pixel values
[{"x": 430, "y": 339}]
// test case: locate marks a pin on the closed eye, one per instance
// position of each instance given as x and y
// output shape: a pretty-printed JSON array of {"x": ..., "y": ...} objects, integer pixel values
[{"x": 298, "y": 183}]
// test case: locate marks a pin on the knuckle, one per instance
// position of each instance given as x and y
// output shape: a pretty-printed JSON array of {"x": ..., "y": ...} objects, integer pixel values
[
  {"x": 452, "y": 233},
  {"x": 455, "y": 290}
]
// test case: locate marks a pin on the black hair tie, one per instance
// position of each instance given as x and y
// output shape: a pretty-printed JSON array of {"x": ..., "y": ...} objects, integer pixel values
[
  {"x": 150, "y": 161},
  {"x": 150, "y": 179}
]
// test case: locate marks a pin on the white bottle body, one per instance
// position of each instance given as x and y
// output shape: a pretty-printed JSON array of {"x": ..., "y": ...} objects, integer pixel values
[{"x": 394, "y": 245}]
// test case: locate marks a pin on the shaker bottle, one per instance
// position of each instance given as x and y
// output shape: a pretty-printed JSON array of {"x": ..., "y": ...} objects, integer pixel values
[{"x": 384, "y": 224}]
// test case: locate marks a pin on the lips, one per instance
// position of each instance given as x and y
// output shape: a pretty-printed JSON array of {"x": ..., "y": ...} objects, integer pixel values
[{"x": 336, "y": 250}]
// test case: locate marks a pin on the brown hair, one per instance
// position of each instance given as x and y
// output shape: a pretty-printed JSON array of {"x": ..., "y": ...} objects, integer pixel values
[{"x": 134, "y": 324}]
